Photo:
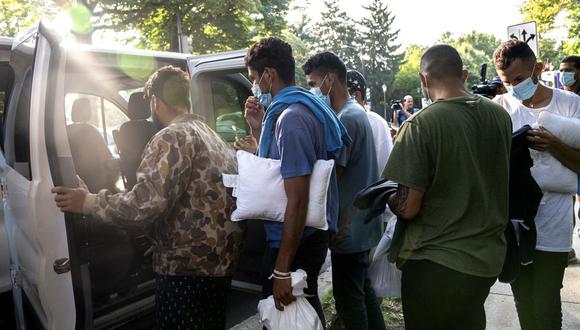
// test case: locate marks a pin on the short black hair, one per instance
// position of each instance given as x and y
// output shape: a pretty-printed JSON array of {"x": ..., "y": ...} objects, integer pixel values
[
  {"x": 441, "y": 62},
  {"x": 324, "y": 63},
  {"x": 355, "y": 82},
  {"x": 510, "y": 51},
  {"x": 573, "y": 59},
  {"x": 171, "y": 85},
  {"x": 273, "y": 53}
]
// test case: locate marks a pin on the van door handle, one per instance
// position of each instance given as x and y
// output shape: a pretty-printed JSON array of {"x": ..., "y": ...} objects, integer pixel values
[{"x": 61, "y": 266}]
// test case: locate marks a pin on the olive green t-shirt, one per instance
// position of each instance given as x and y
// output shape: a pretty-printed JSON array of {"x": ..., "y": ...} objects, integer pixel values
[{"x": 456, "y": 151}]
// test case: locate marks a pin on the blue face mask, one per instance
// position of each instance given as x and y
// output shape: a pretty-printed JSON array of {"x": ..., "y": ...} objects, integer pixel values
[
  {"x": 524, "y": 90},
  {"x": 316, "y": 91},
  {"x": 265, "y": 99},
  {"x": 567, "y": 78}
]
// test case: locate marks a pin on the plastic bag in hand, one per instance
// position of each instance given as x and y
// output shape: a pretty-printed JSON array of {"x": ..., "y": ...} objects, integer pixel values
[
  {"x": 298, "y": 315},
  {"x": 384, "y": 275}
]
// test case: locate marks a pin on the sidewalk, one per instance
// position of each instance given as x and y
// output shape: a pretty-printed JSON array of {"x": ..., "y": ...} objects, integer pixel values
[{"x": 501, "y": 310}]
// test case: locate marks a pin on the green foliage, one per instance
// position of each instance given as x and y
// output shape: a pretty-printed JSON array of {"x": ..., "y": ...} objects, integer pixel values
[
  {"x": 18, "y": 15},
  {"x": 212, "y": 25},
  {"x": 273, "y": 17},
  {"x": 475, "y": 49},
  {"x": 545, "y": 13},
  {"x": 338, "y": 33},
  {"x": 407, "y": 81},
  {"x": 381, "y": 50},
  {"x": 369, "y": 46},
  {"x": 551, "y": 52}
]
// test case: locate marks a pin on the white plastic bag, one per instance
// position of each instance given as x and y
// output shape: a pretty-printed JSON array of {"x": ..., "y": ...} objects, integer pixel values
[
  {"x": 298, "y": 315},
  {"x": 385, "y": 276}
]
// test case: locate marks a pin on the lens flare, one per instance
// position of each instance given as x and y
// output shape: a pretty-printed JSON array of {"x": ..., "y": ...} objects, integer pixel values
[{"x": 136, "y": 67}]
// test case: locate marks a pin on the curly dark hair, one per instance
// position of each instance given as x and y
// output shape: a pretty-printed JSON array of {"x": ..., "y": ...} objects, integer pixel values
[
  {"x": 573, "y": 59},
  {"x": 273, "y": 53},
  {"x": 324, "y": 63},
  {"x": 511, "y": 50},
  {"x": 171, "y": 85}
]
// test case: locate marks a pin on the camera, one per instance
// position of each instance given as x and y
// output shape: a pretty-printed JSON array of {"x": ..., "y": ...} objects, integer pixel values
[
  {"x": 488, "y": 88},
  {"x": 396, "y": 105}
]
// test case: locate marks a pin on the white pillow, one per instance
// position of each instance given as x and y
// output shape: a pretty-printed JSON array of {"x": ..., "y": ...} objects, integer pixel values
[
  {"x": 550, "y": 174},
  {"x": 259, "y": 189}
]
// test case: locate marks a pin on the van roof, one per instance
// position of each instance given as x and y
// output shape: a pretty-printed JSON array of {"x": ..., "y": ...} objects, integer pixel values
[
  {"x": 125, "y": 51},
  {"x": 6, "y": 42}
]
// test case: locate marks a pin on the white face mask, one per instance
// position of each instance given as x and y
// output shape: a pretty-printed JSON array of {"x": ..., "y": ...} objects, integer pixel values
[
  {"x": 265, "y": 99},
  {"x": 316, "y": 91}
]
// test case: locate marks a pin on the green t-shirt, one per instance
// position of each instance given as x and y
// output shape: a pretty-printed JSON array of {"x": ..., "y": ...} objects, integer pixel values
[{"x": 457, "y": 152}]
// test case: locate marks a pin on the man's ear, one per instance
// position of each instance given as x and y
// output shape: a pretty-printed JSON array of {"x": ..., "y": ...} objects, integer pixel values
[
  {"x": 423, "y": 80},
  {"x": 153, "y": 103},
  {"x": 464, "y": 75},
  {"x": 330, "y": 80}
]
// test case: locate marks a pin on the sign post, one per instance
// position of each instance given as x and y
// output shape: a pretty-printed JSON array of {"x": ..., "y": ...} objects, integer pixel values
[{"x": 526, "y": 32}]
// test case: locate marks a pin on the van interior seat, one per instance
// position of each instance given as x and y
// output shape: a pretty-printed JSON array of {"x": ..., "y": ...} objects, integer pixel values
[
  {"x": 88, "y": 148},
  {"x": 133, "y": 136}
]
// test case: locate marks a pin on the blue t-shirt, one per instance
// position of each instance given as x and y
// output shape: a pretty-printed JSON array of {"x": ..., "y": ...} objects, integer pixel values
[
  {"x": 401, "y": 116},
  {"x": 299, "y": 143},
  {"x": 360, "y": 170}
]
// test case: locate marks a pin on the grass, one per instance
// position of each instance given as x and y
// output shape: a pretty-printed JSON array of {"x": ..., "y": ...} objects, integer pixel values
[{"x": 391, "y": 307}]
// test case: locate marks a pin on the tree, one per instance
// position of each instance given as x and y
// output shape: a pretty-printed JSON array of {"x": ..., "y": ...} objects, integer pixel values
[
  {"x": 381, "y": 51},
  {"x": 18, "y": 15},
  {"x": 337, "y": 32},
  {"x": 272, "y": 21},
  {"x": 213, "y": 25},
  {"x": 550, "y": 51},
  {"x": 475, "y": 50},
  {"x": 407, "y": 80},
  {"x": 545, "y": 13}
]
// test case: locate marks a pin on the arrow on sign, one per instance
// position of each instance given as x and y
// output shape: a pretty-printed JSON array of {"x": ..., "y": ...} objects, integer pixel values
[
  {"x": 532, "y": 36},
  {"x": 513, "y": 36},
  {"x": 524, "y": 34}
]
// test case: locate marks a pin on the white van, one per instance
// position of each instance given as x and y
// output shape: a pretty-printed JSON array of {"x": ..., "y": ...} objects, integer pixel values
[{"x": 68, "y": 271}]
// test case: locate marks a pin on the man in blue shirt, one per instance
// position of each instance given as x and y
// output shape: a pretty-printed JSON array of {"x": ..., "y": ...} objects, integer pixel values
[
  {"x": 407, "y": 110},
  {"x": 356, "y": 168},
  {"x": 299, "y": 129}
]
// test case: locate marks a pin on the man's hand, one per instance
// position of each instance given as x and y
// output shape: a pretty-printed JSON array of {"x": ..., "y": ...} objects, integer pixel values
[
  {"x": 283, "y": 293},
  {"x": 71, "y": 199},
  {"x": 249, "y": 144},
  {"x": 542, "y": 140},
  {"x": 254, "y": 114}
]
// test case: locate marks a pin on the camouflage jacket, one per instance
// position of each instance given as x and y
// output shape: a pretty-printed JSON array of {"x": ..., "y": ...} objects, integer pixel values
[{"x": 180, "y": 198}]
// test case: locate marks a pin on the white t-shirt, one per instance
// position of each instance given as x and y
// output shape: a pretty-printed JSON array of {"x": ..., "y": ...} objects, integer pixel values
[
  {"x": 554, "y": 217},
  {"x": 382, "y": 138}
]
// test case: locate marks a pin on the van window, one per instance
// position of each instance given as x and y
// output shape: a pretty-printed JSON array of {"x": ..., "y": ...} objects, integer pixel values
[
  {"x": 6, "y": 82},
  {"x": 17, "y": 124},
  {"x": 99, "y": 108},
  {"x": 228, "y": 110}
]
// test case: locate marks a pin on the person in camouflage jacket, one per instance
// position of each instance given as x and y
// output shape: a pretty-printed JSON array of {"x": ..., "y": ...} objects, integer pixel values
[{"x": 180, "y": 196}]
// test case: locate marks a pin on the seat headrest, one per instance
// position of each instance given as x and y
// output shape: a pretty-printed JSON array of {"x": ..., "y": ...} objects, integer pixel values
[
  {"x": 138, "y": 107},
  {"x": 81, "y": 110}
]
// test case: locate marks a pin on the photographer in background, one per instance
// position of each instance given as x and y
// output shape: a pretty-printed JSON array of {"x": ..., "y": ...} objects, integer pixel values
[{"x": 407, "y": 110}]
